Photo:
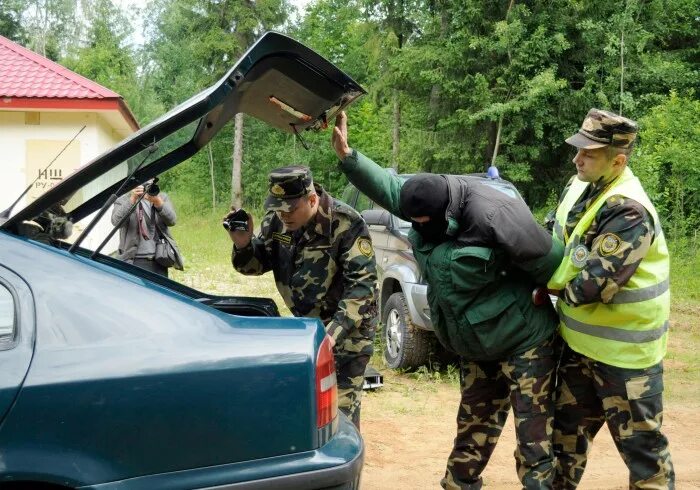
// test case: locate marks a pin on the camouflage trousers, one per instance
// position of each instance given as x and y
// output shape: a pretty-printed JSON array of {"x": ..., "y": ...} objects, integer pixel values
[
  {"x": 350, "y": 364},
  {"x": 590, "y": 393},
  {"x": 489, "y": 389}
]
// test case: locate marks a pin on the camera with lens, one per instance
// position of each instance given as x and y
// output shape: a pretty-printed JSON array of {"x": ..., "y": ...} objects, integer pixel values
[
  {"x": 153, "y": 189},
  {"x": 237, "y": 221}
]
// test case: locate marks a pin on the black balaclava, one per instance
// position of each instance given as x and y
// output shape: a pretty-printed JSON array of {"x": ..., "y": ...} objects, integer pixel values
[{"x": 426, "y": 195}]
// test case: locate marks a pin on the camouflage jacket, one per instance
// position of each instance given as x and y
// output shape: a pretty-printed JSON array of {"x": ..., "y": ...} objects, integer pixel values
[
  {"x": 619, "y": 219},
  {"x": 326, "y": 270}
]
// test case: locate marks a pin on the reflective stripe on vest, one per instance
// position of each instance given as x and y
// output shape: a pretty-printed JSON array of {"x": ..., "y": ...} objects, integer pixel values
[
  {"x": 631, "y": 329},
  {"x": 618, "y": 334},
  {"x": 641, "y": 294}
]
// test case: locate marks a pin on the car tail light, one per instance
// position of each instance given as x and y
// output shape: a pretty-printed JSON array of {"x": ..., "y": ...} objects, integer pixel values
[{"x": 326, "y": 385}]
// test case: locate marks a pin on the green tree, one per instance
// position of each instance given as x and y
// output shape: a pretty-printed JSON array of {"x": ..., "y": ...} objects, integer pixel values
[
  {"x": 398, "y": 18},
  {"x": 10, "y": 21},
  {"x": 668, "y": 162},
  {"x": 191, "y": 44},
  {"x": 506, "y": 82},
  {"x": 50, "y": 26}
]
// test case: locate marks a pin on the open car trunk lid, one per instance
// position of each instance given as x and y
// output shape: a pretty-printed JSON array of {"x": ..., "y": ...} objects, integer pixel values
[{"x": 278, "y": 80}]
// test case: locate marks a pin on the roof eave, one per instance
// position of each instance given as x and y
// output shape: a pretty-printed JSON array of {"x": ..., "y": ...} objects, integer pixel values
[{"x": 52, "y": 103}]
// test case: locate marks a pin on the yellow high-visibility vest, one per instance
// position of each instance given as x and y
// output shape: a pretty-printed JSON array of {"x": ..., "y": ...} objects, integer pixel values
[{"x": 631, "y": 331}]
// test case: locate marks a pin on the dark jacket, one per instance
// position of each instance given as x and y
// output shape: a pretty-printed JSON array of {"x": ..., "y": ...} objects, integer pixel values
[
  {"x": 128, "y": 233},
  {"x": 480, "y": 281}
]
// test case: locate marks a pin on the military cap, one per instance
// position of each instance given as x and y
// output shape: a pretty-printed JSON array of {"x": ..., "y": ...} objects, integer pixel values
[
  {"x": 602, "y": 128},
  {"x": 287, "y": 185}
]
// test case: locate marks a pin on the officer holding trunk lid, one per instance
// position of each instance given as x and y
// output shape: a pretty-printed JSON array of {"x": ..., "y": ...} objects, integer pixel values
[
  {"x": 321, "y": 255},
  {"x": 481, "y": 253}
]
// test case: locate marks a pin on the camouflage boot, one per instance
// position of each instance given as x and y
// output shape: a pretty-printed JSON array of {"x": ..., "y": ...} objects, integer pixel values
[{"x": 350, "y": 371}]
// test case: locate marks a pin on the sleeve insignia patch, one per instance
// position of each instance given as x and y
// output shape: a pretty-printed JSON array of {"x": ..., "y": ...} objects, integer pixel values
[
  {"x": 282, "y": 237},
  {"x": 579, "y": 255},
  {"x": 609, "y": 244},
  {"x": 365, "y": 247}
]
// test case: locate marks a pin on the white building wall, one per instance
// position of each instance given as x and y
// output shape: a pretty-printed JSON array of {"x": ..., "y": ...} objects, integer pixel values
[{"x": 20, "y": 139}]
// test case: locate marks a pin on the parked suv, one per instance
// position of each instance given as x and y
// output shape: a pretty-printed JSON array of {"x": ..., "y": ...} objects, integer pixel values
[{"x": 408, "y": 339}]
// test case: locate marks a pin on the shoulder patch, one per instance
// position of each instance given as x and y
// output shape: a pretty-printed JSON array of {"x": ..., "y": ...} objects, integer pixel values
[
  {"x": 609, "y": 244},
  {"x": 282, "y": 237},
  {"x": 579, "y": 256},
  {"x": 365, "y": 247}
]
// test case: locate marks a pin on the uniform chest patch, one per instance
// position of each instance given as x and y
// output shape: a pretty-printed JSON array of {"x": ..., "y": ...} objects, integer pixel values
[
  {"x": 365, "y": 247},
  {"x": 579, "y": 256},
  {"x": 282, "y": 237},
  {"x": 609, "y": 244}
]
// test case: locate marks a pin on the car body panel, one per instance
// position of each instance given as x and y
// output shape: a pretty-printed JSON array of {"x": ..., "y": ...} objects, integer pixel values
[
  {"x": 396, "y": 267},
  {"x": 16, "y": 352},
  {"x": 326, "y": 467},
  {"x": 418, "y": 304},
  {"x": 102, "y": 347}
]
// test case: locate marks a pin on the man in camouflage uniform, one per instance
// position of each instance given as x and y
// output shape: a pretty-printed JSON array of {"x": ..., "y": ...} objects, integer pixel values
[
  {"x": 321, "y": 254},
  {"x": 613, "y": 306},
  {"x": 482, "y": 254}
]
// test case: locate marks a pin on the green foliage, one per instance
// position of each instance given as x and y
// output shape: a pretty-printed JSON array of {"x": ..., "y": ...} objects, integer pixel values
[
  {"x": 49, "y": 25},
  {"x": 192, "y": 43},
  {"x": 475, "y": 81},
  {"x": 10, "y": 21},
  {"x": 685, "y": 262},
  {"x": 668, "y": 162},
  {"x": 536, "y": 69},
  {"x": 104, "y": 55}
]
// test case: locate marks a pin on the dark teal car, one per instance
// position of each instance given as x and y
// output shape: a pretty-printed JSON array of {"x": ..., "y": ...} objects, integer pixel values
[{"x": 115, "y": 378}]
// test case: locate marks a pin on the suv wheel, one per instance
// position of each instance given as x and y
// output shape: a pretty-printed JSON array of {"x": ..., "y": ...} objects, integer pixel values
[{"x": 405, "y": 345}]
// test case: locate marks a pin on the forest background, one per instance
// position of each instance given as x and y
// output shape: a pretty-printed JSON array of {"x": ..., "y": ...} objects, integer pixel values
[{"x": 453, "y": 85}]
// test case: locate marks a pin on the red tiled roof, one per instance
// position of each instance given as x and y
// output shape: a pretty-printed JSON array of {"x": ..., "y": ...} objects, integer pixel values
[{"x": 24, "y": 73}]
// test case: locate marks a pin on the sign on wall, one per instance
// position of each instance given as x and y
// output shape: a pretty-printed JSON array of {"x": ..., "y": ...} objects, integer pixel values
[{"x": 39, "y": 154}]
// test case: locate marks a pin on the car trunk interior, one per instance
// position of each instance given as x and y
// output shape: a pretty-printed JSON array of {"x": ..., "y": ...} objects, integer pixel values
[{"x": 234, "y": 305}]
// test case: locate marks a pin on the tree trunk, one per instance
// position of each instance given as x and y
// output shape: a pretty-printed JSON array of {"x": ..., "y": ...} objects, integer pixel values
[
  {"x": 498, "y": 141},
  {"x": 396, "y": 131},
  {"x": 211, "y": 173},
  {"x": 236, "y": 200}
]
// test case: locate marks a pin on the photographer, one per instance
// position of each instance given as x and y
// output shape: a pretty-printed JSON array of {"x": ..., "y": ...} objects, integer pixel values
[
  {"x": 321, "y": 254},
  {"x": 141, "y": 231}
]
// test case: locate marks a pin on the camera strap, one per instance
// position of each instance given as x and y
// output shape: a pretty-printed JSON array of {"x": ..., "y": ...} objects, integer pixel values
[{"x": 160, "y": 235}]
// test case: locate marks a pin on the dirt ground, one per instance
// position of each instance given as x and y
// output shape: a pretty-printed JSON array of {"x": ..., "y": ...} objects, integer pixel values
[{"x": 407, "y": 443}]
